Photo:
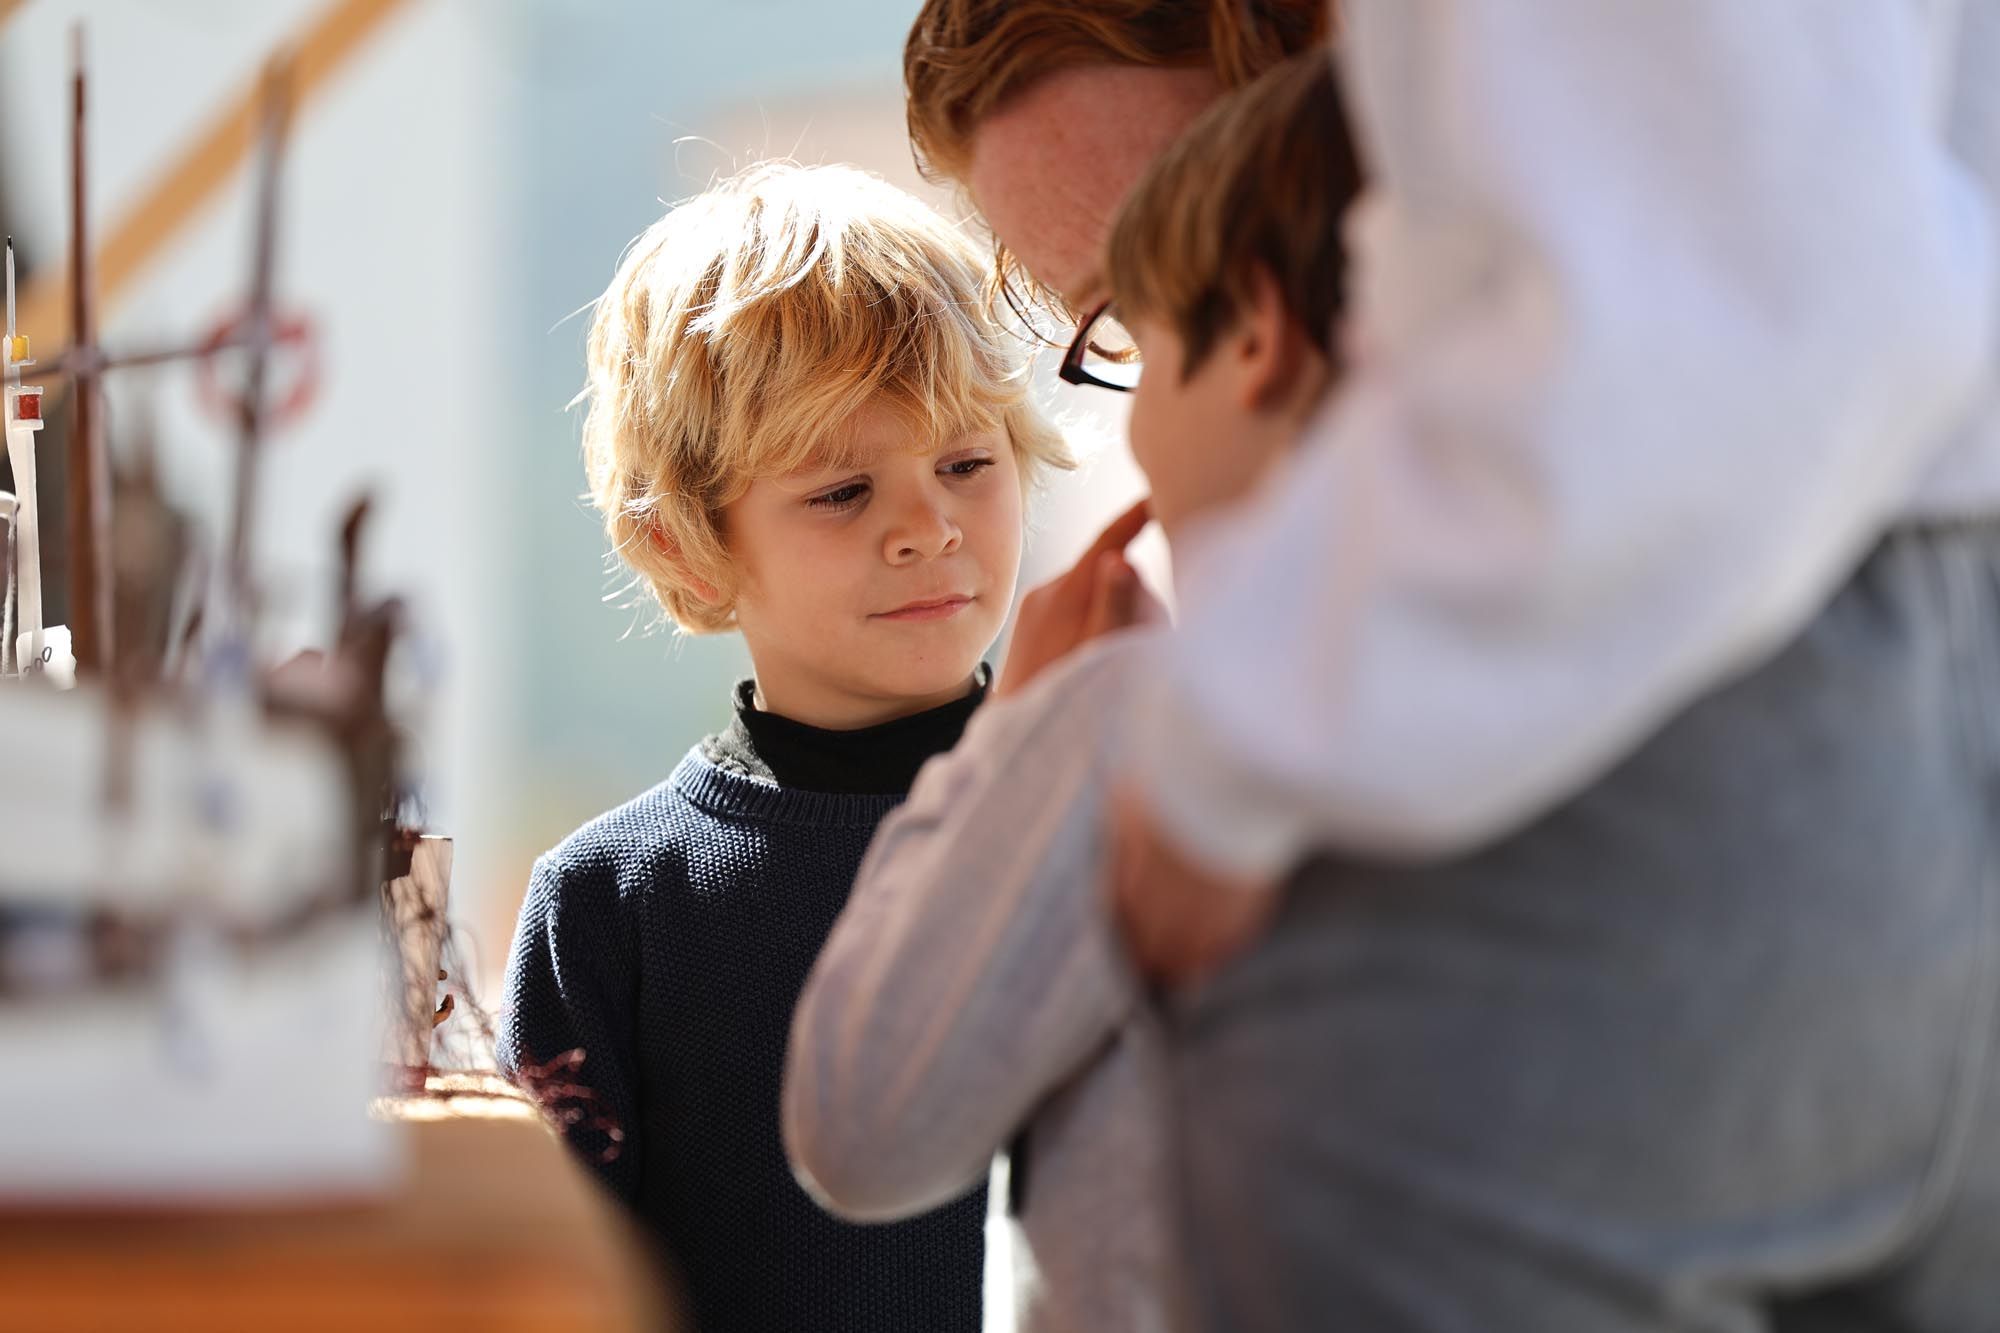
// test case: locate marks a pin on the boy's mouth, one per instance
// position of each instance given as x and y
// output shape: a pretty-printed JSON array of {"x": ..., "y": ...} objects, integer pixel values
[{"x": 931, "y": 608}]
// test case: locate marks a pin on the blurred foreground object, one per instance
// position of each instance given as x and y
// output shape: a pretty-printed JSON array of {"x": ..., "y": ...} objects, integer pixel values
[
  {"x": 415, "y": 897},
  {"x": 184, "y": 974},
  {"x": 214, "y": 890},
  {"x": 460, "y": 1244},
  {"x": 192, "y": 842}
]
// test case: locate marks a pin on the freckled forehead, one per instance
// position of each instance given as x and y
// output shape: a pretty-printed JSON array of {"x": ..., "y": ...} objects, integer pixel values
[{"x": 1051, "y": 166}]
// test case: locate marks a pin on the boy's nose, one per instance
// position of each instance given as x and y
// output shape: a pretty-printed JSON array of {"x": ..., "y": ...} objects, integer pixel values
[{"x": 924, "y": 532}]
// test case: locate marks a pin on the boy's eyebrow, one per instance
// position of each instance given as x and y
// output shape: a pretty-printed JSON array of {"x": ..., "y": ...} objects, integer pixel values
[
  {"x": 850, "y": 457},
  {"x": 809, "y": 475}
]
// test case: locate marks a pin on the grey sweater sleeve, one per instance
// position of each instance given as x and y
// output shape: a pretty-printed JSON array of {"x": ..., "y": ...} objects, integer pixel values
[{"x": 974, "y": 969}]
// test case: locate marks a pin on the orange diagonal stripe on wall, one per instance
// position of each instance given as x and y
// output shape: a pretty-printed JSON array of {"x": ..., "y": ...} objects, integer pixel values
[{"x": 177, "y": 195}]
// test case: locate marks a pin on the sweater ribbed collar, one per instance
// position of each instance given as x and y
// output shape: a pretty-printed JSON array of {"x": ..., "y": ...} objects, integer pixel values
[
  {"x": 765, "y": 766},
  {"x": 729, "y": 795}
]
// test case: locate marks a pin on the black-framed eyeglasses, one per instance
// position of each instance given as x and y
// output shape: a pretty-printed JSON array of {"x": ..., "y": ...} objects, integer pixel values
[{"x": 1102, "y": 353}]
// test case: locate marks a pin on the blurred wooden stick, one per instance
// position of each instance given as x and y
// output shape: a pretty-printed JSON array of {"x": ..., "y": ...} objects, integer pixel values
[{"x": 89, "y": 482}]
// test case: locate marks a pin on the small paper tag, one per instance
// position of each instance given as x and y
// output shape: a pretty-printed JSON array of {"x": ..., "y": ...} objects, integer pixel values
[{"x": 56, "y": 660}]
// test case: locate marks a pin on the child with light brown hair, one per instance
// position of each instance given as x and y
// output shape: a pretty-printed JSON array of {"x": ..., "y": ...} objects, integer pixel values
[
  {"x": 804, "y": 425},
  {"x": 973, "y": 997}
]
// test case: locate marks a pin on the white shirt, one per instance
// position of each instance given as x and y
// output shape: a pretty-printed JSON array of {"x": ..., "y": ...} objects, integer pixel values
[{"x": 1664, "y": 313}]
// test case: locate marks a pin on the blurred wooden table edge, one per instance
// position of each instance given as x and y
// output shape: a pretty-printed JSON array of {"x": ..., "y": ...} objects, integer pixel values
[{"x": 494, "y": 1227}]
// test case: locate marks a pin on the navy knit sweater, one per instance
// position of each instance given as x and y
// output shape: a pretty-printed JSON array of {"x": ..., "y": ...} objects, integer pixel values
[{"x": 669, "y": 940}]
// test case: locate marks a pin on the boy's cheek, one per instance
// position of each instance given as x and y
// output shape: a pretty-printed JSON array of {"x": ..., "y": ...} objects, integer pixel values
[
  {"x": 1140, "y": 437},
  {"x": 1154, "y": 451}
]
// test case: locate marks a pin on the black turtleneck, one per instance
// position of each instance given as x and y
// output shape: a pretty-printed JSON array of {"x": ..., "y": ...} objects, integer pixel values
[{"x": 881, "y": 760}]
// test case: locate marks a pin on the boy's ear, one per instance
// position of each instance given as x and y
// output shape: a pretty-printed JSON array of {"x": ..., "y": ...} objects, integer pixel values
[
  {"x": 670, "y": 549},
  {"x": 1269, "y": 348}
]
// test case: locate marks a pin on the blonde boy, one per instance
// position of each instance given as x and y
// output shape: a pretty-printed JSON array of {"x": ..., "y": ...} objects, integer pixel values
[
  {"x": 803, "y": 425},
  {"x": 973, "y": 995}
]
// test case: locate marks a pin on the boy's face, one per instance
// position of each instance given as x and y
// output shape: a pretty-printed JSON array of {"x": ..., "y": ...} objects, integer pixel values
[
  {"x": 1201, "y": 443},
  {"x": 870, "y": 592}
]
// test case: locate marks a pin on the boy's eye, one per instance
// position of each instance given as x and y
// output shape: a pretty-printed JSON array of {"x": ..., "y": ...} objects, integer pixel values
[
  {"x": 968, "y": 467},
  {"x": 840, "y": 497}
]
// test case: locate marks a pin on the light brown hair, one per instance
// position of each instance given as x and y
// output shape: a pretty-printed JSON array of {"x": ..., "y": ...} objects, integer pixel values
[
  {"x": 965, "y": 58},
  {"x": 744, "y": 332},
  {"x": 1261, "y": 180}
]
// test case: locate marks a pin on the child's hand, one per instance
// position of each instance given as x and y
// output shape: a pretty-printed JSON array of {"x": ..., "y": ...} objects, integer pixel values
[
  {"x": 1179, "y": 921},
  {"x": 1100, "y": 593}
]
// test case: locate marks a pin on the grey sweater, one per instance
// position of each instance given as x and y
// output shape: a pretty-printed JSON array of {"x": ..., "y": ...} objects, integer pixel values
[{"x": 973, "y": 988}]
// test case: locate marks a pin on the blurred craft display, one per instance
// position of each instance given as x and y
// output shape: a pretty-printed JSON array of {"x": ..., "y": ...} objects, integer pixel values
[
  {"x": 192, "y": 842},
  {"x": 416, "y": 888}
]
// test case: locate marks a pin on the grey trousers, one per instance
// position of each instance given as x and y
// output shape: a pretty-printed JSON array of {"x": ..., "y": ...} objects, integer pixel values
[{"x": 1712, "y": 1047}]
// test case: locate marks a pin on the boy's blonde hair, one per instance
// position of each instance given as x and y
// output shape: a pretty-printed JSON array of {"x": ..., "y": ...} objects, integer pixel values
[
  {"x": 965, "y": 59},
  {"x": 744, "y": 331},
  {"x": 1260, "y": 181}
]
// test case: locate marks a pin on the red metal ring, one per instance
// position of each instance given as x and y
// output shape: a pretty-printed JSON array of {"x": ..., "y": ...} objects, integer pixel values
[{"x": 294, "y": 332}]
